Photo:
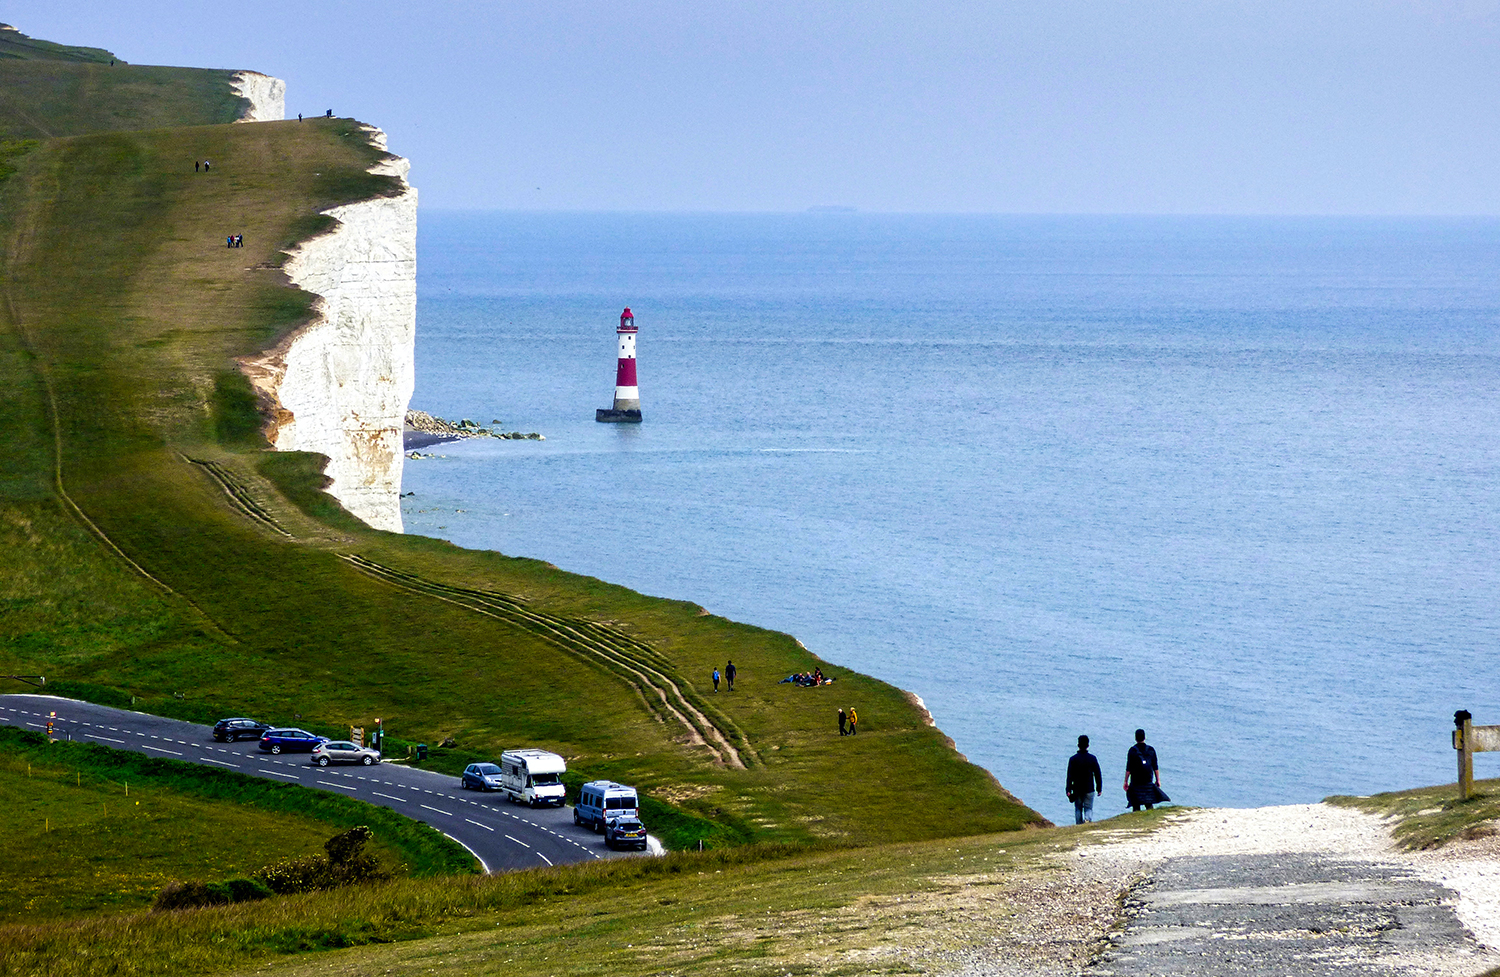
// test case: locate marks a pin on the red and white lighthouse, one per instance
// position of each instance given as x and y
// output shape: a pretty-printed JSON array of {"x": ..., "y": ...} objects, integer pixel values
[{"x": 627, "y": 407}]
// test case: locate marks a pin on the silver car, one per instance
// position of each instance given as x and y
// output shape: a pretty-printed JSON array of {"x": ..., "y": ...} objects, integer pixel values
[{"x": 343, "y": 751}]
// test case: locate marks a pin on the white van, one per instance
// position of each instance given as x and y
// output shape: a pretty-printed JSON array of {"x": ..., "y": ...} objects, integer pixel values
[
  {"x": 532, "y": 777},
  {"x": 605, "y": 800}
]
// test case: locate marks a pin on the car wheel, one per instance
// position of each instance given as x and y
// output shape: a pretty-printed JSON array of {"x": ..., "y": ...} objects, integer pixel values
[
  {"x": 368, "y": 760},
  {"x": 322, "y": 761},
  {"x": 576, "y": 818},
  {"x": 276, "y": 748}
]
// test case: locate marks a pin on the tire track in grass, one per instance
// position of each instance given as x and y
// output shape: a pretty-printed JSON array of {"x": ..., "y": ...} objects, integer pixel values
[{"x": 638, "y": 664}]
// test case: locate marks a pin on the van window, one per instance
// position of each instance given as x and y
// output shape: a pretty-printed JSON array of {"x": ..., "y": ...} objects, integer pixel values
[{"x": 614, "y": 803}]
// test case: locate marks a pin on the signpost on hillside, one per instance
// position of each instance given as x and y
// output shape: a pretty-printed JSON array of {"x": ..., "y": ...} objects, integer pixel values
[{"x": 1469, "y": 739}]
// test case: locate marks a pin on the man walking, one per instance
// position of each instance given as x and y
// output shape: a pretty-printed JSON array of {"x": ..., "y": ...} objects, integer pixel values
[
  {"x": 1142, "y": 775},
  {"x": 853, "y": 721},
  {"x": 1084, "y": 782},
  {"x": 843, "y": 723},
  {"x": 729, "y": 673}
]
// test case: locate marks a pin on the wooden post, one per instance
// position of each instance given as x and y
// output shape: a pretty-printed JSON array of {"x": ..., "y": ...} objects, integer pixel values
[{"x": 1463, "y": 741}]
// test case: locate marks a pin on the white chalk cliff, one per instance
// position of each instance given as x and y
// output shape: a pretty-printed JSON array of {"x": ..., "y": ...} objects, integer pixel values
[
  {"x": 267, "y": 96},
  {"x": 341, "y": 384}
]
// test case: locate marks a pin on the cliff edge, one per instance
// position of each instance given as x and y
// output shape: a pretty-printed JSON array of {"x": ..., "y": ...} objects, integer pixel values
[{"x": 340, "y": 385}]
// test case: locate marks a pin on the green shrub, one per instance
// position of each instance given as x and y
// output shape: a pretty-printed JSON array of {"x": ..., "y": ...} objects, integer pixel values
[
  {"x": 188, "y": 895},
  {"x": 346, "y": 863}
]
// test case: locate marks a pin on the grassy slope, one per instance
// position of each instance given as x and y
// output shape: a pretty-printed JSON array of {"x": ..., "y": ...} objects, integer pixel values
[
  {"x": 894, "y": 909},
  {"x": 1430, "y": 817},
  {"x": 49, "y": 90},
  {"x": 90, "y": 830},
  {"x": 122, "y": 315}
]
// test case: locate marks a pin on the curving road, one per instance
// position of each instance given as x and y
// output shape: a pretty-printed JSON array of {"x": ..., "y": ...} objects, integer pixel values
[{"x": 501, "y": 835}]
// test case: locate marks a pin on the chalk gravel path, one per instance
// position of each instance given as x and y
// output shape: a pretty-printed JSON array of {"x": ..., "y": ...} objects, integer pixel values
[{"x": 1302, "y": 890}]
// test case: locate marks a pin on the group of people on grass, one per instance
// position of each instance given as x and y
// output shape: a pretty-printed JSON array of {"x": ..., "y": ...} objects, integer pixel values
[
  {"x": 1142, "y": 778},
  {"x": 848, "y": 722},
  {"x": 807, "y": 679},
  {"x": 234, "y": 241},
  {"x": 729, "y": 673}
]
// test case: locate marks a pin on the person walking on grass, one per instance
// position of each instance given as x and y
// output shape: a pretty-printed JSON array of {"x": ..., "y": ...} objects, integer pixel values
[
  {"x": 1142, "y": 775},
  {"x": 716, "y": 680},
  {"x": 853, "y": 721},
  {"x": 729, "y": 673},
  {"x": 843, "y": 723},
  {"x": 1084, "y": 782}
]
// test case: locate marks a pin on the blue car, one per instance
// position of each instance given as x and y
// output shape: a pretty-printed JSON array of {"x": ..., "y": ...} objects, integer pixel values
[
  {"x": 481, "y": 776},
  {"x": 290, "y": 741}
]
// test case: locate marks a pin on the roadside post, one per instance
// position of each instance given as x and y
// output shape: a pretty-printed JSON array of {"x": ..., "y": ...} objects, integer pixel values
[
  {"x": 357, "y": 734},
  {"x": 1469, "y": 739}
]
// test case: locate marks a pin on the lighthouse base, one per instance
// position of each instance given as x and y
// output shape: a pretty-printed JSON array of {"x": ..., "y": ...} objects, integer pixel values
[{"x": 609, "y": 416}]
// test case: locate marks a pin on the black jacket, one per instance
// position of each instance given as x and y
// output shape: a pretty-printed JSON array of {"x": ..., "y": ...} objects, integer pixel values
[{"x": 1083, "y": 775}]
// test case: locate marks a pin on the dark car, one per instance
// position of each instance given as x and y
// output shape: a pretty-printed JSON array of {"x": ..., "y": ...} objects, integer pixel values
[
  {"x": 481, "y": 776},
  {"x": 229, "y": 730},
  {"x": 625, "y": 833},
  {"x": 290, "y": 741}
]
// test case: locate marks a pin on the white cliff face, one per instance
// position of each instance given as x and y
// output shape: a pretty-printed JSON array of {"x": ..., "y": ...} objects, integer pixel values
[
  {"x": 267, "y": 96},
  {"x": 340, "y": 385}
]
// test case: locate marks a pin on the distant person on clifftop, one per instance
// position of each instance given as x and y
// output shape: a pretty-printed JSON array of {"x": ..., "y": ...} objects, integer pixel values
[
  {"x": 729, "y": 674},
  {"x": 1142, "y": 775},
  {"x": 853, "y": 721},
  {"x": 843, "y": 722},
  {"x": 716, "y": 680},
  {"x": 1084, "y": 782}
]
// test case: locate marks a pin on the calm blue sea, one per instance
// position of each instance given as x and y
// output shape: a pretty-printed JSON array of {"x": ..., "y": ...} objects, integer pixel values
[{"x": 1233, "y": 480}]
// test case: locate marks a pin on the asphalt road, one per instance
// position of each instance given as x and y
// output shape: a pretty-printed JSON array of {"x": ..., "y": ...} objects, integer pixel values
[
  {"x": 502, "y": 835},
  {"x": 1274, "y": 915}
]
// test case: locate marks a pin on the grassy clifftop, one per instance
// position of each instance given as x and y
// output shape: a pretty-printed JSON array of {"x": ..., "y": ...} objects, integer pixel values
[
  {"x": 151, "y": 547},
  {"x": 49, "y": 90}
]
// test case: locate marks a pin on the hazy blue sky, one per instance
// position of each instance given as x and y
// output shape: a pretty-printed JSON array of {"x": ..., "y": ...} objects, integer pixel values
[{"x": 1277, "y": 106}]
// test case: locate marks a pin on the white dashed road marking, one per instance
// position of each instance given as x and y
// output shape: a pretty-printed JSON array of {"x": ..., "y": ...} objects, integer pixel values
[
  {"x": 330, "y": 783},
  {"x": 448, "y": 813},
  {"x": 278, "y": 773},
  {"x": 481, "y": 824},
  {"x": 160, "y": 750},
  {"x": 388, "y": 797},
  {"x": 518, "y": 841}
]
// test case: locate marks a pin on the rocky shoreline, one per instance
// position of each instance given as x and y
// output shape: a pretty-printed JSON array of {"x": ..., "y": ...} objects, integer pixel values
[{"x": 422, "y": 429}]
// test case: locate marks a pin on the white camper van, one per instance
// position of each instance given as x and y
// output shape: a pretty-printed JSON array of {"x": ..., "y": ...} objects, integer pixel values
[{"x": 532, "y": 777}]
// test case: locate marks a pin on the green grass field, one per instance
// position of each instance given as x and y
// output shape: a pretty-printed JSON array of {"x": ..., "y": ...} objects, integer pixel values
[
  {"x": 89, "y": 829},
  {"x": 131, "y": 570},
  {"x": 758, "y": 910}
]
